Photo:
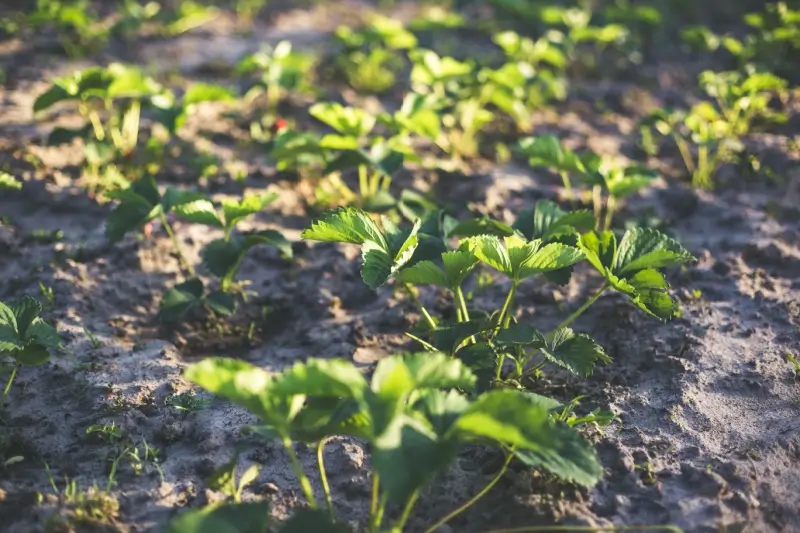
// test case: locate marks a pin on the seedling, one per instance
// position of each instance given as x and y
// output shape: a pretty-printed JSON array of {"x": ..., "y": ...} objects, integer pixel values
[
  {"x": 92, "y": 507},
  {"x": 375, "y": 158},
  {"x": 95, "y": 342},
  {"x": 614, "y": 182},
  {"x": 414, "y": 425},
  {"x": 25, "y": 336},
  {"x": 546, "y": 151},
  {"x": 370, "y": 60},
  {"x": 47, "y": 293},
  {"x": 717, "y": 130},
  {"x": 281, "y": 70},
  {"x": 187, "y": 402},
  {"x": 223, "y": 479}
]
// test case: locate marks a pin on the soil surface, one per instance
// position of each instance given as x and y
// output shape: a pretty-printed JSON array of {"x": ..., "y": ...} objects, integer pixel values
[{"x": 708, "y": 406}]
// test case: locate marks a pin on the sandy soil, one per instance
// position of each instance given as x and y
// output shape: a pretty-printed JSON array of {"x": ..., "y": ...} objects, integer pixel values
[{"x": 708, "y": 436}]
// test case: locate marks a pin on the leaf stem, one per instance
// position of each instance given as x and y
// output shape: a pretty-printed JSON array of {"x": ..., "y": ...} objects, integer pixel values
[
  {"x": 428, "y": 317},
  {"x": 462, "y": 303},
  {"x": 686, "y": 154},
  {"x": 10, "y": 381},
  {"x": 611, "y": 206},
  {"x": 505, "y": 320},
  {"x": 589, "y": 529},
  {"x": 412, "y": 500},
  {"x": 568, "y": 188},
  {"x": 305, "y": 484},
  {"x": 475, "y": 498},
  {"x": 373, "y": 503},
  {"x": 323, "y": 476},
  {"x": 168, "y": 228},
  {"x": 363, "y": 184},
  {"x": 578, "y": 312}
]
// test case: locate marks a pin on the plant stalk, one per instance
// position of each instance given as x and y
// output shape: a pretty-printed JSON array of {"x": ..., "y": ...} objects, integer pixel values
[
  {"x": 323, "y": 476},
  {"x": 428, "y": 317},
  {"x": 462, "y": 303},
  {"x": 505, "y": 320},
  {"x": 686, "y": 154},
  {"x": 168, "y": 228},
  {"x": 10, "y": 381},
  {"x": 363, "y": 184},
  {"x": 305, "y": 484},
  {"x": 578, "y": 312},
  {"x": 412, "y": 500},
  {"x": 475, "y": 498},
  {"x": 374, "y": 520},
  {"x": 611, "y": 206},
  {"x": 568, "y": 187}
]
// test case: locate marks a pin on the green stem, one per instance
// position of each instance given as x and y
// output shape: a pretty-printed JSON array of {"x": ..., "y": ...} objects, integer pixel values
[
  {"x": 305, "y": 484},
  {"x": 475, "y": 498},
  {"x": 323, "y": 476},
  {"x": 462, "y": 303},
  {"x": 578, "y": 312},
  {"x": 686, "y": 154},
  {"x": 611, "y": 206},
  {"x": 702, "y": 178},
  {"x": 589, "y": 529},
  {"x": 363, "y": 184},
  {"x": 505, "y": 320},
  {"x": 10, "y": 381},
  {"x": 428, "y": 317},
  {"x": 168, "y": 228},
  {"x": 597, "y": 201},
  {"x": 412, "y": 500},
  {"x": 568, "y": 187},
  {"x": 374, "y": 519}
]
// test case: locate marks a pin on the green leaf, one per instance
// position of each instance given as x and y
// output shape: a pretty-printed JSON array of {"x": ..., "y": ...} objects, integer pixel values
[
  {"x": 516, "y": 420},
  {"x": 345, "y": 224},
  {"x": 482, "y": 226},
  {"x": 599, "y": 248},
  {"x": 650, "y": 293},
  {"x": 32, "y": 355},
  {"x": 26, "y": 310},
  {"x": 457, "y": 266},
  {"x": 60, "y": 135},
  {"x": 330, "y": 378},
  {"x": 250, "y": 517},
  {"x": 199, "y": 212},
  {"x": 549, "y": 221},
  {"x": 376, "y": 267},
  {"x": 424, "y": 273},
  {"x": 55, "y": 94},
  {"x": 521, "y": 334},
  {"x": 349, "y": 121},
  {"x": 489, "y": 250},
  {"x": 546, "y": 151},
  {"x": 237, "y": 210},
  {"x": 7, "y": 181},
  {"x": 238, "y": 381},
  {"x": 42, "y": 333},
  {"x": 206, "y": 92},
  {"x": 10, "y": 339},
  {"x": 333, "y": 141},
  {"x": 644, "y": 248},
  {"x": 441, "y": 408},
  {"x": 179, "y": 300},
  {"x": 222, "y": 303},
  {"x": 408, "y": 456},
  {"x": 576, "y": 352},
  {"x": 553, "y": 256},
  {"x": 139, "y": 203},
  {"x": 310, "y": 520}
]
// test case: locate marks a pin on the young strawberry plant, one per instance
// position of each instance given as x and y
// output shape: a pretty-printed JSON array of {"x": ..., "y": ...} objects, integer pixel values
[
  {"x": 24, "y": 336},
  {"x": 415, "y": 415},
  {"x": 375, "y": 157},
  {"x": 547, "y": 151},
  {"x": 371, "y": 60},
  {"x": 282, "y": 71},
  {"x": 716, "y": 129},
  {"x": 546, "y": 241}
]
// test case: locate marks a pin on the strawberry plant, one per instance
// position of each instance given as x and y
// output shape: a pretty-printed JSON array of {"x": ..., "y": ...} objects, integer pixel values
[
  {"x": 415, "y": 414},
  {"x": 142, "y": 202},
  {"x": 547, "y": 151},
  {"x": 375, "y": 157},
  {"x": 370, "y": 60},
  {"x": 24, "y": 336},
  {"x": 716, "y": 129},
  {"x": 546, "y": 241},
  {"x": 282, "y": 71}
]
